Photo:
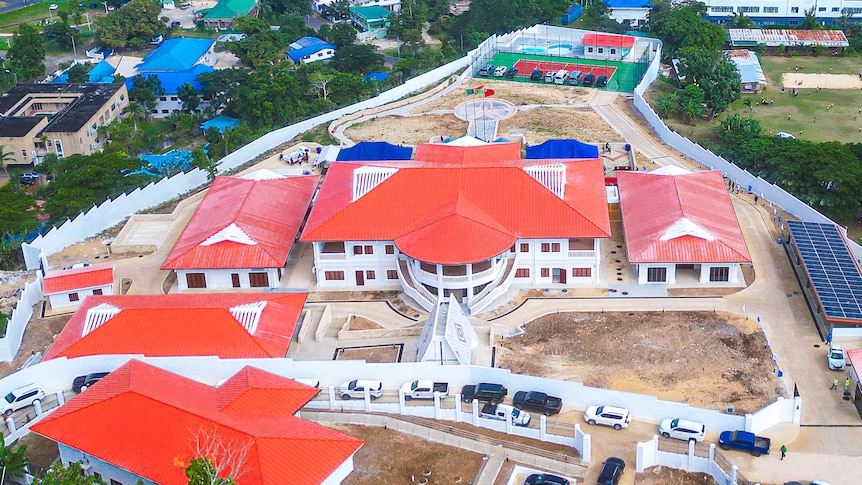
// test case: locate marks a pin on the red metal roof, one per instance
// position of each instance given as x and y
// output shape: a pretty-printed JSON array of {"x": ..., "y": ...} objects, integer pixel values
[
  {"x": 468, "y": 155},
  {"x": 680, "y": 219},
  {"x": 66, "y": 280},
  {"x": 855, "y": 357},
  {"x": 456, "y": 214},
  {"x": 180, "y": 325},
  {"x": 146, "y": 420},
  {"x": 609, "y": 40},
  {"x": 268, "y": 211}
]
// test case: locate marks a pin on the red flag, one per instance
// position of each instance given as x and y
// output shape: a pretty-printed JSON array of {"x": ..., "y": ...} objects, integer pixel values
[{"x": 489, "y": 92}]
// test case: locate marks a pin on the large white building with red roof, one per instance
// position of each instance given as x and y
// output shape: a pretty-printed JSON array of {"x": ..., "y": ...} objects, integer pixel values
[
  {"x": 681, "y": 224},
  {"x": 226, "y": 325},
  {"x": 65, "y": 289},
  {"x": 464, "y": 221},
  {"x": 142, "y": 422},
  {"x": 242, "y": 233}
]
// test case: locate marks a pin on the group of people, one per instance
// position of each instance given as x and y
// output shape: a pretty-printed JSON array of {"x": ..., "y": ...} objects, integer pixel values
[{"x": 293, "y": 158}]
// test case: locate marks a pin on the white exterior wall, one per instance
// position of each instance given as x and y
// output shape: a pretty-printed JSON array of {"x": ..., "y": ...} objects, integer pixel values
[
  {"x": 603, "y": 52},
  {"x": 825, "y": 10},
  {"x": 320, "y": 55},
  {"x": 350, "y": 263},
  {"x": 340, "y": 473},
  {"x": 219, "y": 279},
  {"x": 535, "y": 260},
  {"x": 732, "y": 276},
  {"x": 393, "y": 5},
  {"x": 172, "y": 104},
  {"x": 633, "y": 16},
  {"x": 642, "y": 274},
  {"x": 60, "y": 301},
  {"x": 108, "y": 471}
]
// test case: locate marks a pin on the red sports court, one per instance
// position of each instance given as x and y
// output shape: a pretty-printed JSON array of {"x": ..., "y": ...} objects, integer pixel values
[{"x": 525, "y": 67}]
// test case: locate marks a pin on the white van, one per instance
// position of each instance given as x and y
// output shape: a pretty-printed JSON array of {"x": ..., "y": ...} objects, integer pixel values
[
  {"x": 549, "y": 76},
  {"x": 560, "y": 76},
  {"x": 500, "y": 71},
  {"x": 22, "y": 397}
]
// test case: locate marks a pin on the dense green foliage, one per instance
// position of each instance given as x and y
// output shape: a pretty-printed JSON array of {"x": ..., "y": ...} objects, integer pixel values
[
  {"x": 132, "y": 25},
  {"x": 684, "y": 25},
  {"x": 68, "y": 475},
  {"x": 27, "y": 53},
  {"x": 14, "y": 463},
  {"x": 714, "y": 73},
  {"x": 499, "y": 16}
]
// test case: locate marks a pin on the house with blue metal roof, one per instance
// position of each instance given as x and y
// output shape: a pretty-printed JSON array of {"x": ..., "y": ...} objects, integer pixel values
[
  {"x": 753, "y": 80},
  {"x": 171, "y": 82},
  {"x": 101, "y": 72},
  {"x": 310, "y": 49},
  {"x": 632, "y": 12},
  {"x": 179, "y": 55}
]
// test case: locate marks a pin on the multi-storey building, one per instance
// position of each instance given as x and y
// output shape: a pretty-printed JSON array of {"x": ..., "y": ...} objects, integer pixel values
[{"x": 783, "y": 12}]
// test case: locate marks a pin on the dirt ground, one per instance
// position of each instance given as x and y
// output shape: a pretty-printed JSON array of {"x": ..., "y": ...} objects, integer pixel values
[
  {"x": 660, "y": 475},
  {"x": 376, "y": 355},
  {"x": 519, "y": 94},
  {"x": 402, "y": 462},
  {"x": 41, "y": 451},
  {"x": 706, "y": 359},
  {"x": 407, "y": 131},
  {"x": 362, "y": 323},
  {"x": 11, "y": 284},
  {"x": 541, "y": 124},
  {"x": 812, "y": 81},
  {"x": 38, "y": 336}
]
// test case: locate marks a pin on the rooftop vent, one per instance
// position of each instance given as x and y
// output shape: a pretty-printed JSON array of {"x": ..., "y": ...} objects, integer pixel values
[
  {"x": 552, "y": 177},
  {"x": 231, "y": 233},
  {"x": 98, "y": 315},
  {"x": 685, "y": 227},
  {"x": 248, "y": 315},
  {"x": 366, "y": 178}
]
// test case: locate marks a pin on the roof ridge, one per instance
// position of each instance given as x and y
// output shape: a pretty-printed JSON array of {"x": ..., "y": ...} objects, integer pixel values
[{"x": 563, "y": 200}]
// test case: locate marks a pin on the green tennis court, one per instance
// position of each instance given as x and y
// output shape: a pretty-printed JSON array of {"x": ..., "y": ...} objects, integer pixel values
[{"x": 626, "y": 77}]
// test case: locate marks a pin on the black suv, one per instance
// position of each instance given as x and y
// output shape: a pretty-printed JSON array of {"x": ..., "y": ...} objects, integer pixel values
[
  {"x": 537, "y": 75},
  {"x": 612, "y": 469},
  {"x": 588, "y": 80},
  {"x": 491, "y": 393},
  {"x": 602, "y": 81},
  {"x": 81, "y": 383},
  {"x": 545, "y": 479}
]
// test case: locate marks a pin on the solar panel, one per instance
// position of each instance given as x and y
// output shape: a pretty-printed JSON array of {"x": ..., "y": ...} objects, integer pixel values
[{"x": 831, "y": 268}]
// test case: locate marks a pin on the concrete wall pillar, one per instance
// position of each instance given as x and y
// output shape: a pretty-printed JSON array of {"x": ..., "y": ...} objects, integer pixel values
[
  {"x": 61, "y": 398},
  {"x": 331, "y": 397},
  {"x": 749, "y": 421},
  {"x": 734, "y": 474},
  {"x": 367, "y": 398},
  {"x": 37, "y": 406},
  {"x": 639, "y": 457},
  {"x": 437, "y": 405},
  {"x": 543, "y": 427},
  {"x": 508, "y": 415},
  {"x": 402, "y": 404},
  {"x": 690, "y": 461},
  {"x": 586, "y": 449},
  {"x": 458, "y": 412},
  {"x": 797, "y": 409},
  {"x": 10, "y": 424},
  {"x": 475, "y": 412}
]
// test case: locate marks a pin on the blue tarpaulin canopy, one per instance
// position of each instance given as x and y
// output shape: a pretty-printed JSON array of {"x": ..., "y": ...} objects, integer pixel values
[
  {"x": 374, "y": 150},
  {"x": 562, "y": 149}
]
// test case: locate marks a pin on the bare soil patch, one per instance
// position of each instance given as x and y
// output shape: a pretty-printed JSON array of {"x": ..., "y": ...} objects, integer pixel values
[
  {"x": 362, "y": 323},
  {"x": 407, "y": 131},
  {"x": 660, "y": 475},
  {"x": 41, "y": 451},
  {"x": 541, "y": 124},
  {"x": 706, "y": 359},
  {"x": 376, "y": 355},
  {"x": 38, "y": 336},
  {"x": 801, "y": 80},
  {"x": 544, "y": 445},
  {"x": 11, "y": 285},
  {"x": 517, "y": 93},
  {"x": 394, "y": 458}
]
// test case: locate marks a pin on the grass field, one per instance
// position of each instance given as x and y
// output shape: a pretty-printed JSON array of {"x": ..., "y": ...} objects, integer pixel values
[
  {"x": 625, "y": 78},
  {"x": 29, "y": 14}
]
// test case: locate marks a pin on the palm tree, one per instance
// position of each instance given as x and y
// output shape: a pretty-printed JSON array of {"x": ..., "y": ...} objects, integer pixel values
[
  {"x": 14, "y": 463},
  {"x": 137, "y": 112},
  {"x": 5, "y": 158}
]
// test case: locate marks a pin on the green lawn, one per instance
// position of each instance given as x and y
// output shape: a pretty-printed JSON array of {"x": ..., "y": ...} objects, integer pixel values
[{"x": 29, "y": 14}]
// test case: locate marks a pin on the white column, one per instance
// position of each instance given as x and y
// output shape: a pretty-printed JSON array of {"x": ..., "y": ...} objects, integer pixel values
[
  {"x": 690, "y": 463},
  {"x": 586, "y": 449},
  {"x": 734, "y": 472},
  {"x": 797, "y": 410},
  {"x": 331, "y": 397},
  {"x": 61, "y": 398},
  {"x": 10, "y": 424},
  {"x": 475, "y": 412},
  {"x": 401, "y": 402},
  {"x": 508, "y": 415},
  {"x": 458, "y": 411},
  {"x": 436, "y": 405},
  {"x": 367, "y": 398},
  {"x": 37, "y": 406},
  {"x": 543, "y": 427}
]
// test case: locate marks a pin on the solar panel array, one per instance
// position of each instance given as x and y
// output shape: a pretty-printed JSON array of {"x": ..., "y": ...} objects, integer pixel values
[{"x": 831, "y": 268}]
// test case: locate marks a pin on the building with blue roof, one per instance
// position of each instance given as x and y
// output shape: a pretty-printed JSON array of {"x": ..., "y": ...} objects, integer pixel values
[
  {"x": 377, "y": 76},
  {"x": 179, "y": 55},
  {"x": 752, "y": 78},
  {"x": 169, "y": 102},
  {"x": 633, "y": 12},
  {"x": 100, "y": 73},
  {"x": 310, "y": 49},
  {"x": 220, "y": 123}
]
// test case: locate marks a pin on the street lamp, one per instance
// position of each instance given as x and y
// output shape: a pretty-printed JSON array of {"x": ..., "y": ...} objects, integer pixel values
[
  {"x": 74, "y": 50},
  {"x": 106, "y": 7}
]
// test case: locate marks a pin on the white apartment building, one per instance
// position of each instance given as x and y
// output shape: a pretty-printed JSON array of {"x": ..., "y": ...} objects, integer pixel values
[{"x": 783, "y": 12}]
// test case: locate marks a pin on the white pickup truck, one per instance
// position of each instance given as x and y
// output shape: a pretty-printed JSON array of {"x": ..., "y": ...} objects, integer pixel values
[
  {"x": 424, "y": 389},
  {"x": 498, "y": 412}
]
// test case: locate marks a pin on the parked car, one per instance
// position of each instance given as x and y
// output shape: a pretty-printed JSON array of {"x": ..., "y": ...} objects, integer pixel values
[
  {"x": 682, "y": 429},
  {"x": 308, "y": 382},
  {"x": 175, "y": 24},
  {"x": 538, "y": 402},
  {"x": 549, "y": 76},
  {"x": 29, "y": 178},
  {"x": 21, "y": 398},
  {"x": 612, "y": 469},
  {"x": 545, "y": 479},
  {"x": 81, "y": 383},
  {"x": 835, "y": 357},
  {"x": 511, "y": 73},
  {"x": 745, "y": 441},
  {"x": 536, "y": 75},
  {"x": 784, "y": 134},
  {"x": 486, "y": 70},
  {"x": 492, "y": 393},
  {"x": 588, "y": 79},
  {"x": 424, "y": 389},
  {"x": 618, "y": 418},
  {"x": 77, "y": 265},
  {"x": 356, "y": 389},
  {"x": 498, "y": 412},
  {"x": 185, "y": 6},
  {"x": 500, "y": 71},
  {"x": 602, "y": 81}
]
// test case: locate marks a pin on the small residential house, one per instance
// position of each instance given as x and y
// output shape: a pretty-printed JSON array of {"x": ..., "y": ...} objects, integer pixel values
[
  {"x": 610, "y": 47},
  {"x": 241, "y": 234},
  {"x": 368, "y": 19},
  {"x": 145, "y": 424},
  {"x": 227, "y": 325},
  {"x": 750, "y": 72},
  {"x": 680, "y": 228},
  {"x": 437, "y": 226},
  {"x": 221, "y": 16},
  {"x": 65, "y": 289},
  {"x": 631, "y": 12},
  {"x": 310, "y": 49}
]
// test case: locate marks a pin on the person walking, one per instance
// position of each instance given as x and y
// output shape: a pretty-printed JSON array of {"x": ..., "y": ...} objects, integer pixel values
[
  {"x": 847, "y": 385},
  {"x": 834, "y": 384},
  {"x": 783, "y": 451}
]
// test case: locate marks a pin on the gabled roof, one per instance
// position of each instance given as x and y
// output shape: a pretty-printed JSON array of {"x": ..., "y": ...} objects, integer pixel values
[
  {"x": 146, "y": 420},
  {"x": 611, "y": 40},
  {"x": 468, "y": 154},
  {"x": 307, "y": 46},
  {"x": 457, "y": 213},
  {"x": 228, "y": 9},
  {"x": 66, "y": 280},
  {"x": 680, "y": 219},
  {"x": 244, "y": 223},
  {"x": 374, "y": 12},
  {"x": 227, "y": 325},
  {"x": 855, "y": 358},
  {"x": 179, "y": 54},
  {"x": 172, "y": 80}
]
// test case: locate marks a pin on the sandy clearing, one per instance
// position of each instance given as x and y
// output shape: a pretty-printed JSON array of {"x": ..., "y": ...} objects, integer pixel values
[{"x": 824, "y": 81}]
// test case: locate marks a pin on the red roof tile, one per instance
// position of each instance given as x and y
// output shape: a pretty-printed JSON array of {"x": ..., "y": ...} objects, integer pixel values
[
  {"x": 855, "y": 357},
  {"x": 485, "y": 207},
  {"x": 180, "y": 325},
  {"x": 269, "y": 212},
  {"x": 468, "y": 155},
  {"x": 66, "y": 280},
  {"x": 610, "y": 40},
  {"x": 680, "y": 219},
  {"x": 145, "y": 420}
]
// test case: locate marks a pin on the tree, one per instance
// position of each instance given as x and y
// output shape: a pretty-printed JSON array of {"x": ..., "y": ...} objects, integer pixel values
[
  {"x": 342, "y": 35},
  {"x": 740, "y": 21},
  {"x": 137, "y": 111},
  {"x": 71, "y": 475},
  {"x": 261, "y": 49},
  {"x": 78, "y": 73},
  {"x": 5, "y": 158},
  {"x": 319, "y": 81},
  {"x": 809, "y": 22},
  {"x": 218, "y": 461},
  {"x": 714, "y": 73},
  {"x": 61, "y": 34},
  {"x": 15, "y": 462},
  {"x": 27, "y": 53},
  {"x": 690, "y": 102},
  {"x": 357, "y": 58},
  {"x": 189, "y": 97},
  {"x": 205, "y": 163},
  {"x": 667, "y": 104},
  {"x": 597, "y": 16},
  {"x": 685, "y": 25},
  {"x": 146, "y": 90},
  {"x": 339, "y": 10},
  {"x": 300, "y": 7},
  {"x": 134, "y": 24}
]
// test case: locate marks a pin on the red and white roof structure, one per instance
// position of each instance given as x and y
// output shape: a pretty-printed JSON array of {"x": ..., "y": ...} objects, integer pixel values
[
  {"x": 462, "y": 211},
  {"x": 483, "y": 154},
  {"x": 680, "y": 219},
  {"x": 244, "y": 223},
  {"x": 66, "y": 280},
  {"x": 608, "y": 40},
  {"x": 227, "y": 325},
  {"x": 146, "y": 420}
]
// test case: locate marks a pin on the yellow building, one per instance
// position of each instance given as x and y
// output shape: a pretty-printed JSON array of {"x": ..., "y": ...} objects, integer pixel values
[{"x": 37, "y": 119}]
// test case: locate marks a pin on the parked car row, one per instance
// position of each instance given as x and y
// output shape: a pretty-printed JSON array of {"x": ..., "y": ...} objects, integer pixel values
[{"x": 498, "y": 71}]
